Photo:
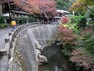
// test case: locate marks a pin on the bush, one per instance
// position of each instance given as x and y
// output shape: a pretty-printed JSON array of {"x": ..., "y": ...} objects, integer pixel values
[
  {"x": 80, "y": 21},
  {"x": 3, "y": 26},
  {"x": 91, "y": 21},
  {"x": 76, "y": 23},
  {"x": 2, "y": 19},
  {"x": 84, "y": 50},
  {"x": 68, "y": 38},
  {"x": 31, "y": 19},
  {"x": 80, "y": 48},
  {"x": 64, "y": 20},
  {"x": 24, "y": 19}
]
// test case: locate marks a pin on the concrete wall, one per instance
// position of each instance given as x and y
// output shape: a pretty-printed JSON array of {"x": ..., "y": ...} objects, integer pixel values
[
  {"x": 24, "y": 55},
  {"x": 19, "y": 52}
]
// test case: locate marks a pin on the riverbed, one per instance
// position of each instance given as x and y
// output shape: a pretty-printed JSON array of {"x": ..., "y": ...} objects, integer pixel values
[{"x": 56, "y": 59}]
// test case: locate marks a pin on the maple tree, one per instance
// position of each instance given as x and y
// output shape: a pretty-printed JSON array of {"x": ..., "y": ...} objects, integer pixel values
[
  {"x": 37, "y": 6},
  {"x": 82, "y": 5},
  {"x": 82, "y": 51},
  {"x": 66, "y": 35},
  {"x": 83, "y": 58},
  {"x": 64, "y": 4},
  {"x": 64, "y": 20}
]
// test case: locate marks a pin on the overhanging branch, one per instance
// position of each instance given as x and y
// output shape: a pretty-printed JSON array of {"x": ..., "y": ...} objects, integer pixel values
[{"x": 90, "y": 9}]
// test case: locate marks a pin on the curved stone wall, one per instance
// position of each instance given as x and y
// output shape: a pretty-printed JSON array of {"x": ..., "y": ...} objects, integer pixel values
[
  {"x": 9, "y": 44},
  {"x": 23, "y": 52}
]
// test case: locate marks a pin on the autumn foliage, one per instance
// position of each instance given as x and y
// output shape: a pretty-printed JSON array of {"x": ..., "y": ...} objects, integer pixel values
[
  {"x": 37, "y": 6},
  {"x": 81, "y": 5},
  {"x": 79, "y": 47},
  {"x": 66, "y": 35},
  {"x": 83, "y": 58},
  {"x": 34, "y": 6},
  {"x": 84, "y": 55},
  {"x": 64, "y": 20}
]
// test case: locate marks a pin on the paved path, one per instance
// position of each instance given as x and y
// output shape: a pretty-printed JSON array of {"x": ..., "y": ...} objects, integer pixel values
[{"x": 3, "y": 34}]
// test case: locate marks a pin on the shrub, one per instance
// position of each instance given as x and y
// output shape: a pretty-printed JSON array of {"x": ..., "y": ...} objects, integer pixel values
[
  {"x": 83, "y": 52},
  {"x": 79, "y": 48},
  {"x": 2, "y": 19},
  {"x": 76, "y": 23},
  {"x": 3, "y": 26},
  {"x": 68, "y": 38},
  {"x": 83, "y": 58},
  {"x": 80, "y": 21},
  {"x": 24, "y": 19},
  {"x": 64, "y": 20}
]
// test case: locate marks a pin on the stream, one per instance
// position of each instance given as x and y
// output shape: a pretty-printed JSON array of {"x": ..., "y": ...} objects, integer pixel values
[{"x": 56, "y": 60}]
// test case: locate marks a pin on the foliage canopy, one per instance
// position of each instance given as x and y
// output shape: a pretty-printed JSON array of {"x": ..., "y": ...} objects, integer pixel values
[
  {"x": 81, "y": 5},
  {"x": 35, "y": 6}
]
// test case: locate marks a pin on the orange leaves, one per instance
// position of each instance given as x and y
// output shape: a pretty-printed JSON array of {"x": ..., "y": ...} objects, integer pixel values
[
  {"x": 47, "y": 6},
  {"x": 66, "y": 35},
  {"x": 77, "y": 5},
  {"x": 73, "y": 6},
  {"x": 83, "y": 58},
  {"x": 82, "y": 55},
  {"x": 81, "y": 4},
  {"x": 64, "y": 20},
  {"x": 86, "y": 31},
  {"x": 64, "y": 30},
  {"x": 36, "y": 6},
  {"x": 27, "y": 5}
]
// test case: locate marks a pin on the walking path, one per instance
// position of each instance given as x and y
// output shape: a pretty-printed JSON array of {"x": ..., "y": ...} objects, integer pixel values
[{"x": 3, "y": 34}]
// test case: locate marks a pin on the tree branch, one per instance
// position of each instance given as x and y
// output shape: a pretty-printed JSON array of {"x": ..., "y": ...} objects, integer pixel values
[{"x": 90, "y": 9}]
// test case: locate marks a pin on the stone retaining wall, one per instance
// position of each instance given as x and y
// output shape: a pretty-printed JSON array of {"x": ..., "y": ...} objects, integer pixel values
[
  {"x": 14, "y": 58},
  {"x": 9, "y": 41}
]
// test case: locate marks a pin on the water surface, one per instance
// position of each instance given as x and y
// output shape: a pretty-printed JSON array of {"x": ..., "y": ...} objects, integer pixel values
[{"x": 56, "y": 60}]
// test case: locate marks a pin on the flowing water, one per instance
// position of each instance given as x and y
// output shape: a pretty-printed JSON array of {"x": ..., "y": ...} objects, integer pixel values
[{"x": 56, "y": 60}]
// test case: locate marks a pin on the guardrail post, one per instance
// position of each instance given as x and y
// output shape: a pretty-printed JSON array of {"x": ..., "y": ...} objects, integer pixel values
[{"x": 9, "y": 33}]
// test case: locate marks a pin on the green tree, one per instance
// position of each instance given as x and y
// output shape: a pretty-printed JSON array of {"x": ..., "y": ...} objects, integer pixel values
[
  {"x": 89, "y": 13},
  {"x": 82, "y": 5},
  {"x": 64, "y": 4}
]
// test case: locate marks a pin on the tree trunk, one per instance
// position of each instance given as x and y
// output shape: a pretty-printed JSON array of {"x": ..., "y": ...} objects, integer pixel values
[{"x": 9, "y": 9}]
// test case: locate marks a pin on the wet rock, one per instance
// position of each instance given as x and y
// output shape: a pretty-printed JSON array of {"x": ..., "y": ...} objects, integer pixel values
[{"x": 40, "y": 58}]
